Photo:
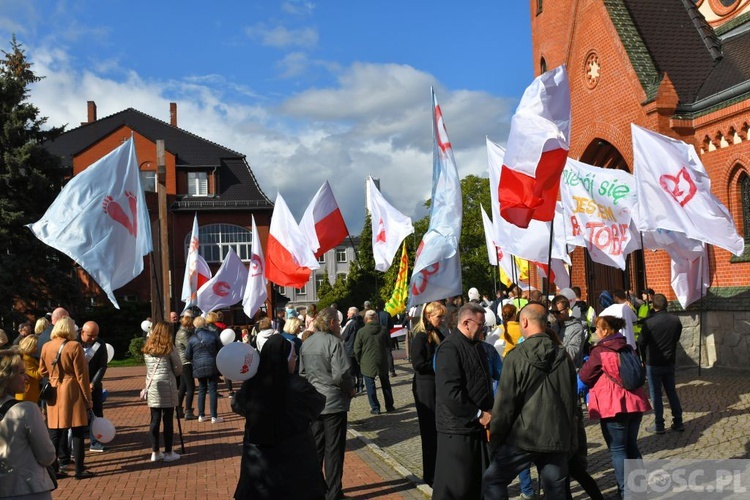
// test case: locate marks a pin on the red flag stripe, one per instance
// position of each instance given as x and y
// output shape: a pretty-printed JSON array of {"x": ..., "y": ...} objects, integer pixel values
[
  {"x": 523, "y": 198},
  {"x": 281, "y": 268},
  {"x": 331, "y": 230}
]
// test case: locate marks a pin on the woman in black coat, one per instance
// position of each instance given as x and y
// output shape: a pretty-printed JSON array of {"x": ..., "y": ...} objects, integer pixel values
[
  {"x": 427, "y": 336},
  {"x": 279, "y": 458}
]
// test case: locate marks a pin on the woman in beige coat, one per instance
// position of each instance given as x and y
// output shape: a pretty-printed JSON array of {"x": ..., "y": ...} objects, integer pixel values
[
  {"x": 70, "y": 377},
  {"x": 163, "y": 366},
  {"x": 25, "y": 447}
]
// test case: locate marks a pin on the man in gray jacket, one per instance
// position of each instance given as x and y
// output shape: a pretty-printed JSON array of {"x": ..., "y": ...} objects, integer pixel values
[{"x": 325, "y": 365}]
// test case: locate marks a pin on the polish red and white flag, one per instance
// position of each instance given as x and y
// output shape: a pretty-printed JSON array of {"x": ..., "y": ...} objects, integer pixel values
[
  {"x": 537, "y": 150},
  {"x": 322, "y": 223},
  {"x": 289, "y": 258}
]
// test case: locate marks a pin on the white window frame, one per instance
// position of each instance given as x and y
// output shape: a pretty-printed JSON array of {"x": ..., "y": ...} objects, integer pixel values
[
  {"x": 303, "y": 290},
  {"x": 217, "y": 239},
  {"x": 322, "y": 259},
  {"x": 319, "y": 278},
  {"x": 149, "y": 181},
  {"x": 197, "y": 183},
  {"x": 341, "y": 255}
]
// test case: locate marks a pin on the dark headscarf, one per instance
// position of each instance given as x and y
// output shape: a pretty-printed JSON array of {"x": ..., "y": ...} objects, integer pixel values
[
  {"x": 263, "y": 397},
  {"x": 605, "y": 299}
]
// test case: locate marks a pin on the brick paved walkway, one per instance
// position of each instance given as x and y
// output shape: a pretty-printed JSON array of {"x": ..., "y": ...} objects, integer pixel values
[
  {"x": 383, "y": 451},
  {"x": 716, "y": 411},
  {"x": 210, "y": 466}
]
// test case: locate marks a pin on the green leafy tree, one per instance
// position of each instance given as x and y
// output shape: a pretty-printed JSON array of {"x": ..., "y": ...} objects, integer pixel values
[
  {"x": 32, "y": 275},
  {"x": 325, "y": 295},
  {"x": 362, "y": 282}
]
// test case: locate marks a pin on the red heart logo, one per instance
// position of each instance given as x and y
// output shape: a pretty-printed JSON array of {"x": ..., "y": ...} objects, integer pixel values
[
  {"x": 244, "y": 369},
  {"x": 680, "y": 187}
]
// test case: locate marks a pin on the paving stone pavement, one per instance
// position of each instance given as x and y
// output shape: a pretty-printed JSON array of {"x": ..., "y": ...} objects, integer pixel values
[
  {"x": 716, "y": 409},
  {"x": 209, "y": 468},
  {"x": 383, "y": 458}
]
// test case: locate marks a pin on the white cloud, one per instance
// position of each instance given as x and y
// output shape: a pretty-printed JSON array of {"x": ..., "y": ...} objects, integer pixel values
[
  {"x": 281, "y": 37},
  {"x": 375, "y": 121},
  {"x": 298, "y": 7}
]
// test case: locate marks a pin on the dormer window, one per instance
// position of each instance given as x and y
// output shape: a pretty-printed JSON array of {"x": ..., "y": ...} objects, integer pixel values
[{"x": 197, "y": 183}]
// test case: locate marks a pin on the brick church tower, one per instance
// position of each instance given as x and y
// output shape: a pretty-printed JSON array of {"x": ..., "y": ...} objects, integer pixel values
[{"x": 680, "y": 68}]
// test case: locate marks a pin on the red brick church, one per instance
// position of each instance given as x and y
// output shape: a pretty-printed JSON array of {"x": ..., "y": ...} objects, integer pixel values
[{"x": 680, "y": 68}]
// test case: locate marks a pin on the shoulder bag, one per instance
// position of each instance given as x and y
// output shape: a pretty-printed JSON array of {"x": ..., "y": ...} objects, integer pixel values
[
  {"x": 144, "y": 392},
  {"x": 48, "y": 392}
]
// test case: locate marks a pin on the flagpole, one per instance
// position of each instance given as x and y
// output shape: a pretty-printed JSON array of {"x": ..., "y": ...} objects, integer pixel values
[
  {"x": 549, "y": 259},
  {"x": 700, "y": 317},
  {"x": 645, "y": 275}
]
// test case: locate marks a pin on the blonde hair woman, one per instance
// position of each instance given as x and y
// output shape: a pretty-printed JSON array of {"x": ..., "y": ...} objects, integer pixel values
[
  {"x": 163, "y": 366},
  {"x": 70, "y": 377},
  {"x": 3, "y": 338},
  {"x": 427, "y": 336},
  {"x": 41, "y": 325},
  {"x": 28, "y": 347},
  {"x": 26, "y": 449}
]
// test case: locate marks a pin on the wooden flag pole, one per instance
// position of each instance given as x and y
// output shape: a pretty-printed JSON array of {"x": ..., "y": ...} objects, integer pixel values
[
  {"x": 161, "y": 190},
  {"x": 549, "y": 260}
]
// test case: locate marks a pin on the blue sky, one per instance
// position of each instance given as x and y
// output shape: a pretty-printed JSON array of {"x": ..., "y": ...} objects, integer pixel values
[{"x": 309, "y": 91}]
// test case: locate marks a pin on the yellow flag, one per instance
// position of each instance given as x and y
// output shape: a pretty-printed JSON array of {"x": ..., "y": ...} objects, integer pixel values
[
  {"x": 523, "y": 269},
  {"x": 397, "y": 302},
  {"x": 504, "y": 278}
]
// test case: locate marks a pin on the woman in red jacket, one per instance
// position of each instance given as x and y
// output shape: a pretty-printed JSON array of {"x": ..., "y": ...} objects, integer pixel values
[{"x": 620, "y": 410}]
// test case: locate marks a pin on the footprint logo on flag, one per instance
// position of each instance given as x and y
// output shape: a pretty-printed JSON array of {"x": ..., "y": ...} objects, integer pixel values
[{"x": 116, "y": 212}]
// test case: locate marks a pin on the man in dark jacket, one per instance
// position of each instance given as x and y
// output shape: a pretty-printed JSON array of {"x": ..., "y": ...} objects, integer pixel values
[
  {"x": 658, "y": 344},
  {"x": 354, "y": 323},
  {"x": 463, "y": 401},
  {"x": 370, "y": 349},
  {"x": 96, "y": 356},
  {"x": 533, "y": 420}
]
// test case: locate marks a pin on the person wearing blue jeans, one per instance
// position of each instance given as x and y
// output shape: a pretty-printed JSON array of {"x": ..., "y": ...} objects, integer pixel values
[
  {"x": 660, "y": 334},
  {"x": 658, "y": 377},
  {"x": 372, "y": 395},
  {"x": 212, "y": 384},
  {"x": 621, "y": 435}
]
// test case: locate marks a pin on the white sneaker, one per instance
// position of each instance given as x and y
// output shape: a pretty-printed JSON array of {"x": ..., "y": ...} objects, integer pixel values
[
  {"x": 202, "y": 418},
  {"x": 171, "y": 456},
  {"x": 156, "y": 456},
  {"x": 216, "y": 420}
]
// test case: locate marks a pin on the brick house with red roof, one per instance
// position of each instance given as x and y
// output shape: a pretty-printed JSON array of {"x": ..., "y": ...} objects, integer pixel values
[
  {"x": 680, "y": 68},
  {"x": 202, "y": 178}
]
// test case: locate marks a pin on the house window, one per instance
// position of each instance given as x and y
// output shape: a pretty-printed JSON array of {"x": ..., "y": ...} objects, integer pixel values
[
  {"x": 303, "y": 290},
  {"x": 341, "y": 255},
  {"x": 745, "y": 193},
  {"x": 322, "y": 259},
  {"x": 217, "y": 239},
  {"x": 538, "y": 7},
  {"x": 148, "y": 180},
  {"x": 197, "y": 183},
  {"x": 319, "y": 281},
  {"x": 543, "y": 65},
  {"x": 341, "y": 276},
  {"x": 281, "y": 290}
]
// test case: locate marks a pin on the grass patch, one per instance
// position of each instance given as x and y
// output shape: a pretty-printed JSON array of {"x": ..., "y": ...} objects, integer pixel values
[{"x": 115, "y": 363}]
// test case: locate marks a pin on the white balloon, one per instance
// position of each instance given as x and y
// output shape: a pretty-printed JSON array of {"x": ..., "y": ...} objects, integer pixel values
[
  {"x": 145, "y": 325},
  {"x": 227, "y": 336},
  {"x": 489, "y": 317},
  {"x": 238, "y": 361},
  {"x": 103, "y": 430},
  {"x": 110, "y": 352}
]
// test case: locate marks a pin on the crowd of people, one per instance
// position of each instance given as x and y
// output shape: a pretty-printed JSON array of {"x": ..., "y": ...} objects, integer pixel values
[{"x": 499, "y": 387}]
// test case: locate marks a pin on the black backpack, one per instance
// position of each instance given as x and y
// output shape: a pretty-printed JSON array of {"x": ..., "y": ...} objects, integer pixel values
[{"x": 632, "y": 372}]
